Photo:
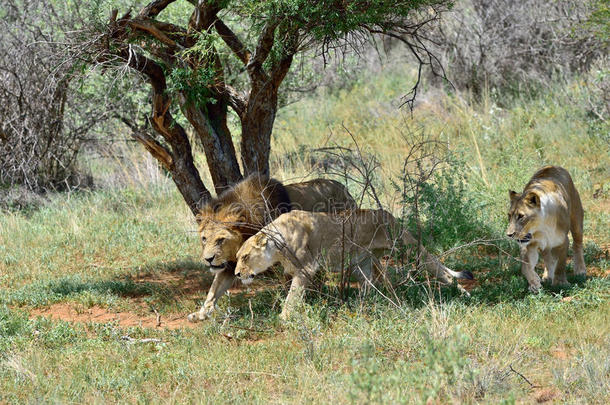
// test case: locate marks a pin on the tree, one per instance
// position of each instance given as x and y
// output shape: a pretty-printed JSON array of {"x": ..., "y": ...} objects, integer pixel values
[{"x": 234, "y": 55}]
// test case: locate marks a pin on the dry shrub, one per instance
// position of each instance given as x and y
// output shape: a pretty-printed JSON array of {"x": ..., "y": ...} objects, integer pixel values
[
  {"x": 43, "y": 123},
  {"x": 507, "y": 44}
]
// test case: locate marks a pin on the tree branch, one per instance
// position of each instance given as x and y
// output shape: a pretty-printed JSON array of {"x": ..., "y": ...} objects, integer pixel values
[
  {"x": 237, "y": 102},
  {"x": 154, "y": 8},
  {"x": 232, "y": 41},
  {"x": 154, "y": 147},
  {"x": 203, "y": 16},
  {"x": 149, "y": 27},
  {"x": 263, "y": 48}
]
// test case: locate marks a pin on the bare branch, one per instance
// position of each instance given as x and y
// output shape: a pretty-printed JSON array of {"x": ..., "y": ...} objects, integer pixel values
[
  {"x": 154, "y": 8},
  {"x": 153, "y": 146},
  {"x": 237, "y": 102},
  {"x": 204, "y": 15},
  {"x": 263, "y": 48},
  {"x": 149, "y": 27},
  {"x": 232, "y": 41}
]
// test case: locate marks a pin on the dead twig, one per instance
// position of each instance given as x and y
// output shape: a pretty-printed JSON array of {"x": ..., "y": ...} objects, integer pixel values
[
  {"x": 158, "y": 324},
  {"x": 131, "y": 340},
  {"x": 510, "y": 366}
]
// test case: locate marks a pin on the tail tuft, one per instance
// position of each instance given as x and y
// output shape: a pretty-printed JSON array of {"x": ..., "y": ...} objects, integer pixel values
[{"x": 465, "y": 275}]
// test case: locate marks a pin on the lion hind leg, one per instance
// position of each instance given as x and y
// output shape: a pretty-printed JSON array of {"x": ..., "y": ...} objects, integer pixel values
[
  {"x": 550, "y": 264},
  {"x": 579, "y": 257},
  {"x": 576, "y": 225},
  {"x": 364, "y": 273},
  {"x": 561, "y": 254}
]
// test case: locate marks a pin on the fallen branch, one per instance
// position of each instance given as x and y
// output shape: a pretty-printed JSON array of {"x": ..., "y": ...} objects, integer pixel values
[
  {"x": 131, "y": 340},
  {"x": 522, "y": 376}
]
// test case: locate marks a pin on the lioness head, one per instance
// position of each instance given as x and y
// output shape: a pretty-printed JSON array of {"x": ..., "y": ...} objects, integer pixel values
[
  {"x": 220, "y": 241},
  {"x": 254, "y": 257},
  {"x": 523, "y": 216}
]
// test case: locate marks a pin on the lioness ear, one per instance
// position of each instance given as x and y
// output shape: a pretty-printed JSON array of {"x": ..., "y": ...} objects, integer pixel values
[
  {"x": 533, "y": 199},
  {"x": 513, "y": 195},
  {"x": 260, "y": 239}
]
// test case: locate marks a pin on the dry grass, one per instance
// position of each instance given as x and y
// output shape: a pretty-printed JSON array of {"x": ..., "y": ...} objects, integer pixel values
[{"x": 132, "y": 248}]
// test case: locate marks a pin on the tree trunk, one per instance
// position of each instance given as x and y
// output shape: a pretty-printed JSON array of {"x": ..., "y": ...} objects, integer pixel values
[
  {"x": 257, "y": 126},
  {"x": 211, "y": 128},
  {"x": 181, "y": 167},
  {"x": 187, "y": 179}
]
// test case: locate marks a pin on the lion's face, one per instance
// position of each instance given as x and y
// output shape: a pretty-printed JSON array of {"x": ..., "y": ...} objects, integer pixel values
[
  {"x": 254, "y": 257},
  {"x": 220, "y": 243},
  {"x": 523, "y": 216}
]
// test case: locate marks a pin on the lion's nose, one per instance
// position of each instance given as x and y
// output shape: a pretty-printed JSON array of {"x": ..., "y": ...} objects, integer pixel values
[
  {"x": 237, "y": 274},
  {"x": 209, "y": 259}
]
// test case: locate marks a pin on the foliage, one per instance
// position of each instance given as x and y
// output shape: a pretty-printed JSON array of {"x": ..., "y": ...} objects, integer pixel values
[
  {"x": 449, "y": 215},
  {"x": 194, "y": 84}
]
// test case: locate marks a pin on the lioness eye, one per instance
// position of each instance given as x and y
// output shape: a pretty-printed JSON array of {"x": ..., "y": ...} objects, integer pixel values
[
  {"x": 519, "y": 217},
  {"x": 219, "y": 241},
  {"x": 203, "y": 239}
]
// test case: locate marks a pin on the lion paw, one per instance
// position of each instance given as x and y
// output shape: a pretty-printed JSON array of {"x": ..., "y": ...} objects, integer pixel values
[
  {"x": 200, "y": 315},
  {"x": 535, "y": 288},
  {"x": 194, "y": 317}
]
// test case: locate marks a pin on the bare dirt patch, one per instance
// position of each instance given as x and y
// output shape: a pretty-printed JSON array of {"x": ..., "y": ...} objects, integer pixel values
[
  {"x": 97, "y": 314},
  {"x": 191, "y": 285},
  {"x": 543, "y": 395}
]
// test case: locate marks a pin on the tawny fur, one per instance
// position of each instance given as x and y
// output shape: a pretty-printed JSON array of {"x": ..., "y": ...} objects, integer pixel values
[
  {"x": 303, "y": 242},
  {"x": 540, "y": 218},
  {"x": 227, "y": 221}
]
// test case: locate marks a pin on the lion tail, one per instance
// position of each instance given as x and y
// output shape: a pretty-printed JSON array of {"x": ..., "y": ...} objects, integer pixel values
[{"x": 434, "y": 266}]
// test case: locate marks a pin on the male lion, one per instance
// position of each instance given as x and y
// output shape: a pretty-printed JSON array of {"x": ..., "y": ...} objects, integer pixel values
[
  {"x": 540, "y": 218},
  {"x": 305, "y": 241},
  {"x": 239, "y": 212}
]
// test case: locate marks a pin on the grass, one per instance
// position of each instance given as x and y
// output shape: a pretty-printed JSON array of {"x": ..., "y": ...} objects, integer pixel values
[{"x": 133, "y": 248}]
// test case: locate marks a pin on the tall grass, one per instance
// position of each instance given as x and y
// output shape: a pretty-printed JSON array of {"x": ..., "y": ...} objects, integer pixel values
[{"x": 91, "y": 248}]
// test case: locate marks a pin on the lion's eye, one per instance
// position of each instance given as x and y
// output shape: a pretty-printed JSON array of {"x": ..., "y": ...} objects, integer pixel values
[
  {"x": 519, "y": 217},
  {"x": 203, "y": 239},
  {"x": 246, "y": 257},
  {"x": 220, "y": 241}
]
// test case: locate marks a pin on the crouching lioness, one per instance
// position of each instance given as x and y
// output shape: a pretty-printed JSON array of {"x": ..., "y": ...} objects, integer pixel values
[
  {"x": 303, "y": 241},
  {"x": 540, "y": 218}
]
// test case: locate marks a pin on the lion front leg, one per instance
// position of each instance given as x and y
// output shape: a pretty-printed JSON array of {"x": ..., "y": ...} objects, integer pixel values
[
  {"x": 222, "y": 282},
  {"x": 529, "y": 258},
  {"x": 300, "y": 281}
]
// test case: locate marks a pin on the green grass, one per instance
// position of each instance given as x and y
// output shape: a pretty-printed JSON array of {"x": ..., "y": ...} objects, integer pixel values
[{"x": 135, "y": 248}]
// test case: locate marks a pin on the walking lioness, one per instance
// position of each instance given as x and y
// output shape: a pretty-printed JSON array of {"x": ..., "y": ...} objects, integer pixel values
[
  {"x": 303, "y": 242},
  {"x": 540, "y": 218}
]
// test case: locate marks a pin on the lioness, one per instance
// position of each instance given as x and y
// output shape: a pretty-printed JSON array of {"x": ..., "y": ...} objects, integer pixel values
[
  {"x": 304, "y": 241},
  {"x": 238, "y": 213},
  {"x": 540, "y": 218}
]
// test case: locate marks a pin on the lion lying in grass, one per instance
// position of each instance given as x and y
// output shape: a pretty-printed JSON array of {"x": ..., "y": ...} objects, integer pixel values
[
  {"x": 540, "y": 218},
  {"x": 238, "y": 213},
  {"x": 303, "y": 242}
]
